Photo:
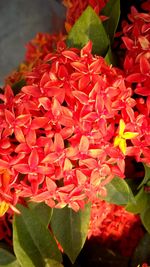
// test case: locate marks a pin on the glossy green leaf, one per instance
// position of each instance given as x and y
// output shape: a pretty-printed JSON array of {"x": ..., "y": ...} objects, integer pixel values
[
  {"x": 142, "y": 252},
  {"x": 146, "y": 177},
  {"x": 89, "y": 27},
  {"x": 33, "y": 244},
  {"x": 7, "y": 259},
  {"x": 43, "y": 212},
  {"x": 142, "y": 201},
  {"x": 145, "y": 217},
  {"x": 70, "y": 229},
  {"x": 118, "y": 192},
  {"x": 112, "y": 11}
]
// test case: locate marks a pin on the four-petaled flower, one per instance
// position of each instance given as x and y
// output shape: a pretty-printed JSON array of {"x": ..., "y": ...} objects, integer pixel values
[{"x": 122, "y": 137}]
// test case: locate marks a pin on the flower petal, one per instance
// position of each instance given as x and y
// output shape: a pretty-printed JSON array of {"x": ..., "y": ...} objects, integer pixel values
[
  {"x": 123, "y": 145},
  {"x": 33, "y": 159},
  {"x": 121, "y": 127},
  {"x": 84, "y": 144},
  {"x": 129, "y": 135}
]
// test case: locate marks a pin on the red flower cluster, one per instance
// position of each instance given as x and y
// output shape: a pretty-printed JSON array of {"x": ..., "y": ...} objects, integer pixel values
[
  {"x": 137, "y": 70},
  {"x": 36, "y": 50},
  {"x": 40, "y": 46},
  {"x": 137, "y": 41},
  {"x": 113, "y": 227},
  {"x": 57, "y": 134}
]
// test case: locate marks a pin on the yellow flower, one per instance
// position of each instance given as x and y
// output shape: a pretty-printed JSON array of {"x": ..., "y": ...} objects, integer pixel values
[
  {"x": 120, "y": 139},
  {"x": 4, "y": 206}
]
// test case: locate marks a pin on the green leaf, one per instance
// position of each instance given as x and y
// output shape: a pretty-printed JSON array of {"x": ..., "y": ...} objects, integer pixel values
[
  {"x": 42, "y": 211},
  {"x": 70, "y": 229},
  {"x": 146, "y": 177},
  {"x": 89, "y": 27},
  {"x": 33, "y": 244},
  {"x": 145, "y": 217},
  {"x": 142, "y": 251},
  {"x": 7, "y": 259},
  {"x": 118, "y": 192},
  {"x": 112, "y": 11},
  {"x": 142, "y": 201}
]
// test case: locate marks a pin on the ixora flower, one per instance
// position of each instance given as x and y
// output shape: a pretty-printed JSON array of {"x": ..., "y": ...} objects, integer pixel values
[
  {"x": 61, "y": 129},
  {"x": 136, "y": 38},
  {"x": 120, "y": 139},
  {"x": 36, "y": 50},
  {"x": 113, "y": 226}
]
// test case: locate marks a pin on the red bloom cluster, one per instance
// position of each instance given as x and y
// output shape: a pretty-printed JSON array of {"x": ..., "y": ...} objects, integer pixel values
[
  {"x": 36, "y": 50},
  {"x": 40, "y": 46},
  {"x": 57, "y": 134},
  {"x": 113, "y": 227},
  {"x": 137, "y": 41},
  {"x": 137, "y": 70}
]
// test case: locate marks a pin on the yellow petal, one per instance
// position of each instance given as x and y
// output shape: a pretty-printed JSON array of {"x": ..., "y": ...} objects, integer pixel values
[
  {"x": 129, "y": 135},
  {"x": 123, "y": 146},
  {"x": 4, "y": 206},
  {"x": 117, "y": 140},
  {"x": 121, "y": 127}
]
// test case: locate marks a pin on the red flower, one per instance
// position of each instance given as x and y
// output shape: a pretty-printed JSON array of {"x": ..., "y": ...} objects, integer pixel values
[
  {"x": 36, "y": 50},
  {"x": 113, "y": 226},
  {"x": 15, "y": 125},
  {"x": 137, "y": 60},
  {"x": 35, "y": 171}
]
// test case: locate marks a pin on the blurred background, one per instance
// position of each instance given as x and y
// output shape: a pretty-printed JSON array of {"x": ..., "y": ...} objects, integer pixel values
[{"x": 20, "y": 20}]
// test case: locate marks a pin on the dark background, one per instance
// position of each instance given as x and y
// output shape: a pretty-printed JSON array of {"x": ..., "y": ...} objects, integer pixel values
[{"x": 20, "y": 20}]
